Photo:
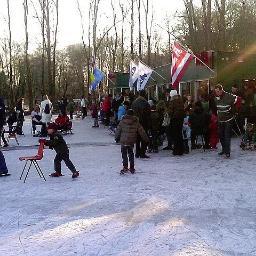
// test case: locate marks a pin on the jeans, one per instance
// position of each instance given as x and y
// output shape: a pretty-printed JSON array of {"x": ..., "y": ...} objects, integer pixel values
[
  {"x": 127, "y": 151},
  {"x": 65, "y": 157},
  {"x": 225, "y": 132}
]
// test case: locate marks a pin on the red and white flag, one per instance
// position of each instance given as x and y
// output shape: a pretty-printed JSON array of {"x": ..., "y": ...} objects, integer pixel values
[{"x": 180, "y": 61}]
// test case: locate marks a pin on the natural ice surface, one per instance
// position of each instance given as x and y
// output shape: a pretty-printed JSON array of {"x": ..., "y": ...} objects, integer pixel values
[{"x": 198, "y": 204}]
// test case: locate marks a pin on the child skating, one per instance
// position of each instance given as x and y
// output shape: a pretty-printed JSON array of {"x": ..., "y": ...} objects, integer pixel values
[
  {"x": 126, "y": 134},
  {"x": 57, "y": 143}
]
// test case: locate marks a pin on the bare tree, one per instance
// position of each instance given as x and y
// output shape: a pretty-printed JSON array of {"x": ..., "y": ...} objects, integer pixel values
[
  {"x": 132, "y": 28},
  {"x": 27, "y": 63},
  {"x": 10, "y": 53},
  {"x": 149, "y": 24}
]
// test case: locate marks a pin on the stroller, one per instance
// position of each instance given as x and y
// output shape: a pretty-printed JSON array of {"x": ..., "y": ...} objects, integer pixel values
[
  {"x": 64, "y": 125},
  {"x": 249, "y": 138}
]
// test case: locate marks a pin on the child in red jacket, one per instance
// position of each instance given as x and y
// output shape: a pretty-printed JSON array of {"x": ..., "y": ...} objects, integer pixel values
[{"x": 213, "y": 128}]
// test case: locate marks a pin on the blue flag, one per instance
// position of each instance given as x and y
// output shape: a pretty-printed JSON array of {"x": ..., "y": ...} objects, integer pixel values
[{"x": 98, "y": 77}]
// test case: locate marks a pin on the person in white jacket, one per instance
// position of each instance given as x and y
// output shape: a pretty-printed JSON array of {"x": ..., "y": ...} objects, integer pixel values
[{"x": 46, "y": 113}]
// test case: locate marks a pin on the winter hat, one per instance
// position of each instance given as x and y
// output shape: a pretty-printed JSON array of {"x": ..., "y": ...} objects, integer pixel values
[
  {"x": 173, "y": 93},
  {"x": 52, "y": 126}
]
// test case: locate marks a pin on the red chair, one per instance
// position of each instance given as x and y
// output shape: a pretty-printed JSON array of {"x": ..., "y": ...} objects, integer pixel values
[{"x": 33, "y": 160}]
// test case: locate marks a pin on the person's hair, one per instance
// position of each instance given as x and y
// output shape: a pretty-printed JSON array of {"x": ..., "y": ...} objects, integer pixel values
[
  {"x": 142, "y": 93},
  {"x": 46, "y": 97},
  {"x": 130, "y": 112},
  {"x": 126, "y": 103},
  {"x": 218, "y": 86}
]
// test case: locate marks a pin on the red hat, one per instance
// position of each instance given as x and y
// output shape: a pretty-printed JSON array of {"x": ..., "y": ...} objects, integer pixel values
[{"x": 52, "y": 126}]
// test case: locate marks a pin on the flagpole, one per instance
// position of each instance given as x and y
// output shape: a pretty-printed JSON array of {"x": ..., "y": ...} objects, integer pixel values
[
  {"x": 153, "y": 70},
  {"x": 191, "y": 52},
  {"x": 188, "y": 49}
]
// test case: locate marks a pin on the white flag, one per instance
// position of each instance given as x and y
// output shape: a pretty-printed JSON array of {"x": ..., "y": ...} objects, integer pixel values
[
  {"x": 145, "y": 73},
  {"x": 134, "y": 73}
]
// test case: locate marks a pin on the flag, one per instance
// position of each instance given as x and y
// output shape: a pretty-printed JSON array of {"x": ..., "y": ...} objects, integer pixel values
[
  {"x": 98, "y": 77},
  {"x": 144, "y": 75},
  {"x": 134, "y": 74},
  {"x": 92, "y": 77},
  {"x": 180, "y": 61}
]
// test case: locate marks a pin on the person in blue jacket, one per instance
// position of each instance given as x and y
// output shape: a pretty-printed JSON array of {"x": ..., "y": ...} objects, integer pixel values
[{"x": 122, "y": 110}]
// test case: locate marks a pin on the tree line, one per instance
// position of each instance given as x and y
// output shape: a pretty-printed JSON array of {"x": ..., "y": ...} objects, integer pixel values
[{"x": 132, "y": 31}]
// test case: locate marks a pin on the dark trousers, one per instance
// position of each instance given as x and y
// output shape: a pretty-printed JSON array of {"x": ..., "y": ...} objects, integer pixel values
[
  {"x": 34, "y": 124},
  {"x": 43, "y": 130},
  {"x": 84, "y": 112},
  {"x": 2, "y": 136},
  {"x": 127, "y": 151},
  {"x": 71, "y": 114},
  {"x": 225, "y": 132},
  {"x": 169, "y": 136},
  {"x": 141, "y": 147},
  {"x": 176, "y": 131},
  {"x": 154, "y": 140},
  {"x": 67, "y": 161},
  {"x": 3, "y": 168}
]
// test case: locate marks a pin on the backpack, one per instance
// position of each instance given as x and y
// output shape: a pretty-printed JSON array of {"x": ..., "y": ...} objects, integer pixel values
[{"x": 47, "y": 109}]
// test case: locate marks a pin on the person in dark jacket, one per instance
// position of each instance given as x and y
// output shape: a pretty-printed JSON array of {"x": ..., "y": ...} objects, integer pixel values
[
  {"x": 126, "y": 134},
  {"x": 154, "y": 129},
  {"x": 20, "y": 116},
  {"x": 141, "y": 109},
  {"x": 2, "y": 121},
  {"x": 225, "y": 103},
  {"x": 199, "y": 123},
  {"x": 176, "y": 113},
  {"x": 57, "y": 143}
]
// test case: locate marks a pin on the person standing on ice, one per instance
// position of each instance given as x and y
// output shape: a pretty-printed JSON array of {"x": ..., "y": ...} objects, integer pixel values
[
  {"x": 57, "y": 143},
  {"x": 225, "y": 104},
  {"x": 46, "y": 113},
  {"x": 126, "y": 133},
  {"x": 142, "y": 111}
]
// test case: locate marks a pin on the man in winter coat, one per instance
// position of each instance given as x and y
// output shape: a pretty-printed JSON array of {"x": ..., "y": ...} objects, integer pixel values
[
  {"x": 225, "y": 103},
  {"x": 126, "y": 133},
  {"x": 176, "y": 113},
  {"x": 141, "y": 109}
]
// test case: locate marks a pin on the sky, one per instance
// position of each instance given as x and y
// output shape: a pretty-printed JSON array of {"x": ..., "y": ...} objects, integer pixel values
[{"x": 69, "y": 20}]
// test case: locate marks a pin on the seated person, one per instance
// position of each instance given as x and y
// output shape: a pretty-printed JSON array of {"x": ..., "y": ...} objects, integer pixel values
[
  {"x": 63, "y": 123},
  {"x": 199, "y": 123},
  {"x": 36, "y": 117}
]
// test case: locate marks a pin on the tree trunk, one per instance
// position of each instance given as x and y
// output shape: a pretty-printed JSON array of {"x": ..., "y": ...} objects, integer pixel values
[
  {"x": 54, "y": 49},
  {"x": 12, "y": 96},
  {"x": 132, "y": 29},
  {"x": 28, "y": 73},
  {"x": 48, "y": 51}
]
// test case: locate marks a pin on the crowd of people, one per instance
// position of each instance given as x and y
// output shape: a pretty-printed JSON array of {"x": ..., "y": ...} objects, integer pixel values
[{"x": 146, "y": 123}]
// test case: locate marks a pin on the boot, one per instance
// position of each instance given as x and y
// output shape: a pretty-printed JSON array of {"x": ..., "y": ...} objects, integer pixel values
[
  {"x": 75, "y": 174},
  {"x": 56, "y": 174}
]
